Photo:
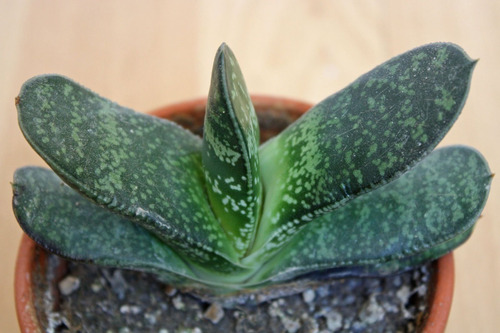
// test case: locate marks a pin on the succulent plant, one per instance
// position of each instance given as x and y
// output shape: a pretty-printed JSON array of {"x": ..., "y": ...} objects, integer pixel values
[{"x": 353, "y": 186}]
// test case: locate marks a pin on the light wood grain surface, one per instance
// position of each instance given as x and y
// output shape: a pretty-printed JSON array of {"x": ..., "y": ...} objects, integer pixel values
[{"x": 144, "y": 54}]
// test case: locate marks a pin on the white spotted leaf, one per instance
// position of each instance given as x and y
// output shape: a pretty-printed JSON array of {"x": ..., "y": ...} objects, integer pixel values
[
  {"x": 138, "y": 166},
  {"x": 230, "y": 151},
  {"x": 418, "y": 217},
  {"x": 360, "y": 138}
]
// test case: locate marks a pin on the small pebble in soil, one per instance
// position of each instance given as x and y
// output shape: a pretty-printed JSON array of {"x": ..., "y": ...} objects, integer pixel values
[
  {"x": 177, "y": 302},
  {"x": 333, "y": 320},
  {"x": 68, "y": 285},
  {"x": 371, "y": 311},
  {"x": 290, "y": 325},
  {"x": 308, "y": 296},
  {"x": 97, "y": 285},
  {"x": 389, "y": 307},
  {"x": 170, "y": 291},
  {"x": 130, "y": 309},
  {"x": 421, "y": 290},
  {"x": 403, "y": 294},
  {"x": 214, "y": 313}
]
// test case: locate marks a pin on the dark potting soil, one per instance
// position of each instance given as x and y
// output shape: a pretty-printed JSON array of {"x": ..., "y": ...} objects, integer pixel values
[{"x": 86, "y": 298}]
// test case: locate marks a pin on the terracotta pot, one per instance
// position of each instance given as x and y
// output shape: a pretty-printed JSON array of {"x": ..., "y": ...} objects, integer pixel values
[{"x": 30, "y": 255}]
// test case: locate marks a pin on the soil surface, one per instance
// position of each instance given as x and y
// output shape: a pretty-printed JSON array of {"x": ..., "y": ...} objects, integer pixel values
[{"x": 86, "y": 298}]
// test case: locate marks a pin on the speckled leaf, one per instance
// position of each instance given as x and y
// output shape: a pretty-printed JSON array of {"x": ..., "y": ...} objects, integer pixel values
[
  {"x": 136, "y": 165},
  {"x": 230, "y": 151},
  {"x": 66, "y": 223},
  {"x": 361, "y": 138},
  {"x": 424, "y": 213}
]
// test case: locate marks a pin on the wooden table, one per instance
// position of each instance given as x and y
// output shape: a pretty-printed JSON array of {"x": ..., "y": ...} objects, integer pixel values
[{"x": 146, "y": 54}]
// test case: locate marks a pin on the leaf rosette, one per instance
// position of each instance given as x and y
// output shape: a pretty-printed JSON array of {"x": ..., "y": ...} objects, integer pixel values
[{"x": 354, "y": 185}]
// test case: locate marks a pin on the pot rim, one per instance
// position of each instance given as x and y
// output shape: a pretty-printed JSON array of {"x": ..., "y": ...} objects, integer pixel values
[
  {"x": 441, "y": 294},
  {"x": 23, "y": 286}
]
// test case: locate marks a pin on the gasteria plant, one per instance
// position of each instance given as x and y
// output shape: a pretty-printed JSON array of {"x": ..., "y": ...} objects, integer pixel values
[{"x": 353, "y": 186}]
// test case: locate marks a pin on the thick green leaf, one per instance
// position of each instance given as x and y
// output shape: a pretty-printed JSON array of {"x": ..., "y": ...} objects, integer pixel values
[
  {"x": 421, "y": 215},
  {"x": 366, "y": 270},
  {"x": 66, "y": 223},
  {"x": 136, "y": 165},
  {"x": 361, "y": 138},
  {"x": 230, "y": 151}
]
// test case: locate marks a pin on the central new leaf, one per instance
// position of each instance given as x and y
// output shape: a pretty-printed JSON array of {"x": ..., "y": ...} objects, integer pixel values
[{"x": 230, "y": 152}]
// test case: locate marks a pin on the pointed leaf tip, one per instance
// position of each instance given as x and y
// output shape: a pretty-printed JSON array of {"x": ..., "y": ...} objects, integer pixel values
[{"x": 230, "y": 151}]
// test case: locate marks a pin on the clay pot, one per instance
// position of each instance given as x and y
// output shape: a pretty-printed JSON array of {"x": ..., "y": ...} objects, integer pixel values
[{"x": 190, "y": 114}]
